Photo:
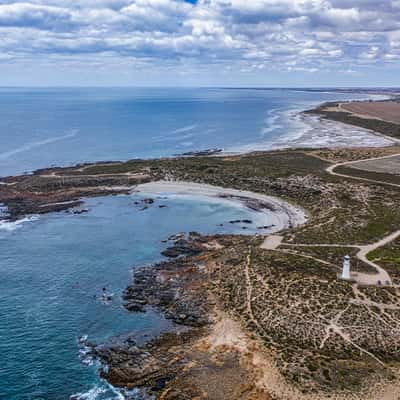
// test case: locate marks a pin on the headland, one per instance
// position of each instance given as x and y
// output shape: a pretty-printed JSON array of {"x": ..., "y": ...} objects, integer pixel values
[{"x": 262, "y": 320}]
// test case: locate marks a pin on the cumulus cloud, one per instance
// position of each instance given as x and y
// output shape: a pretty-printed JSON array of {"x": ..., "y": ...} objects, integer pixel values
[{"x": 299, "y": 35}]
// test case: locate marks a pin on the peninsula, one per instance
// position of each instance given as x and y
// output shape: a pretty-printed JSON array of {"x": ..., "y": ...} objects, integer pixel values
[{"x": 264, "y": 316}]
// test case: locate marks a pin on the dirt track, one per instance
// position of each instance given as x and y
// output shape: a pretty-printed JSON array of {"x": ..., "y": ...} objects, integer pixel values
[{"x": 331, "y": 169}]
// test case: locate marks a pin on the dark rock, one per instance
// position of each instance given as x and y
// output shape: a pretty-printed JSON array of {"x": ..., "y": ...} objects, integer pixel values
[
  {"x": 162, "y": 286},
  {"x": 82, "y": 211},
  {"x": 181, "y": 249},
  {"x": 241, "y": 221},
  {"x": 134, "y": 307},
  {"x": 207, "y": 152},
  {"x": 266, "y": 226}
]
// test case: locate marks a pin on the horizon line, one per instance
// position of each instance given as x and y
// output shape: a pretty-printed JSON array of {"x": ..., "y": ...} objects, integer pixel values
[{"x": 196, "y": 87}]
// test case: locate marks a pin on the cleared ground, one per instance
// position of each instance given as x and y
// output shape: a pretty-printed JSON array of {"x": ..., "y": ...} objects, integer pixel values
[
  {"x": 384, "y": 110},
  {"x": 386, "y": 165}
]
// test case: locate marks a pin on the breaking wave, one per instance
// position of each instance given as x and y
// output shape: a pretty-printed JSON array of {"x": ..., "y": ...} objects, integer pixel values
[
  {"x": 107, "y": 392},
  {"x": 12, "y": 226}
]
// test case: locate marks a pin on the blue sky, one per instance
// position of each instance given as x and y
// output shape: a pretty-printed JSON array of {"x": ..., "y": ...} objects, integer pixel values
[{"x": 200, "y": 43}]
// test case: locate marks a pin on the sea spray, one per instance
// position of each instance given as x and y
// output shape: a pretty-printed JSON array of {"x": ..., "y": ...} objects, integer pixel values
[{"x": 11, "y": 226}]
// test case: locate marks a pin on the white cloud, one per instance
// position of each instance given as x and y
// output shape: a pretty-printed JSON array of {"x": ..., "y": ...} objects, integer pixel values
[{"x": 255, "y": 34}]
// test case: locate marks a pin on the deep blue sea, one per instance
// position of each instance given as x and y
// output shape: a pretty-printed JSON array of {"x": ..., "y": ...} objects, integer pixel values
[{"x": 53, "y": 267}]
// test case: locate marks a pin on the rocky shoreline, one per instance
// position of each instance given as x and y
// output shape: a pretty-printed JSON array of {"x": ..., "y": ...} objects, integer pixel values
[
  {"x": 178, "y": 288},
  {"x": 153, "y": 286},
  {"x": 256, "y": 323}
]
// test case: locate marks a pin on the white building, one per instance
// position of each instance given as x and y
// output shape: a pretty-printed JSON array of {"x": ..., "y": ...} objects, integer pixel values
[{"x": 346, "y": 268}]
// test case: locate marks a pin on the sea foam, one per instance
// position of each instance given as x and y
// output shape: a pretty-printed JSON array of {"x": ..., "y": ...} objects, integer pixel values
[
  {"x": 106, "y": 392},
  {"x": 13, "y": 225}
]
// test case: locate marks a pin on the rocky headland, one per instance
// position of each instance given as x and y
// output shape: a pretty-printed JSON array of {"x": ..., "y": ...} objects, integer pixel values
[{"x": 257, "y": 320}]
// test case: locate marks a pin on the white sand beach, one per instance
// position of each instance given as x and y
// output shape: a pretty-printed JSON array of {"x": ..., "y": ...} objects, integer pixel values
[{"x": 269, "y": 210}]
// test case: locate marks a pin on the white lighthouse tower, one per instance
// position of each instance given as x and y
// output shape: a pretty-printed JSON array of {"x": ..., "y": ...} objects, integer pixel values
[{"x": 346, "y": 268}]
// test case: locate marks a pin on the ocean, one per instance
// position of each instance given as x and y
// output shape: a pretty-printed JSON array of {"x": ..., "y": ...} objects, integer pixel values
[
  {"x": 53, "y": 267},
  {"x": 44, "y": 127}
]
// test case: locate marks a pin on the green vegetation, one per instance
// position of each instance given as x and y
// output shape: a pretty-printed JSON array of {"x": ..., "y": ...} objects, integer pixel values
[
  {"x": 343, "y": 211},
  {"x": 333, "y": 255},
  {"x": 376, "y": 176},
  {"x": 133, "y": 166},
  {"x": 275, "y": 164},
  {"x": 290, "y": 301},
  {"x": 389, "y": 258}
]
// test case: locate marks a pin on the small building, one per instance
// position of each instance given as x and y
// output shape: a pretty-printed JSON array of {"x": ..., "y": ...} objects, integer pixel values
[{"x": 346, "y": 268}]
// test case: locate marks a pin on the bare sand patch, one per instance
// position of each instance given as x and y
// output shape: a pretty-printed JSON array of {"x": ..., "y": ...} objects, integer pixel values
[
  {"x": 383, "y": 110},
  {"x": 390, "y": 165},
  {"x": 228, "y": 335}
]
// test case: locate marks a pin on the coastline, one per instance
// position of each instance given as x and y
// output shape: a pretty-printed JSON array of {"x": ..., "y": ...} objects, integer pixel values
[
  {"x": 296, "y": 140},
  {"x": 334, "y": 135},
  {"x": 283, "y": 214},
  {"x": 333, "y": 111},
  {"x": 124, "y": 183}
]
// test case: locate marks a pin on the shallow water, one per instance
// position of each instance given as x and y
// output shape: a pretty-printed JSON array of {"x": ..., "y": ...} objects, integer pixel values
[
  {"x": 51, "y": 271},
  {"x": 43, "y": 127},
  {"x": 53, "y": 267}
]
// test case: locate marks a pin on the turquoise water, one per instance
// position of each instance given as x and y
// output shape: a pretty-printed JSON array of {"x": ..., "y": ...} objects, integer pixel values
[
  {"x": 51, "y": 270},
  {"x": 43, "y": 127}
]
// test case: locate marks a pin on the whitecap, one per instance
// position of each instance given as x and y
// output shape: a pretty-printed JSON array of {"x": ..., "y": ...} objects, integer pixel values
[
  {"x": 274, "y": 115},
  {"x": 184, "y": 129},
  {"x": 91, "y": 394},
  {"x": 106, "y": 392},
  {"x": 32, "y": 145}
]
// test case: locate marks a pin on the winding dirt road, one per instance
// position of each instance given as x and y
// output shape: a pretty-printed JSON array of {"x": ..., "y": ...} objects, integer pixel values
[
  {"x": 331, "y": 170},
  {"x": 272, "y": 242}
]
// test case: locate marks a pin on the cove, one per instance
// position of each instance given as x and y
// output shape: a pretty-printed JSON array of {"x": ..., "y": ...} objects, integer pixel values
[{"x": 53, "y": 269}]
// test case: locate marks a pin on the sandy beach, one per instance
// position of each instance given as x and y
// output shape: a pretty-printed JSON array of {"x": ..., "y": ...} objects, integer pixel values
[
  {"x": 270, "y": 210},
  {"x": 265, "y": 327}
]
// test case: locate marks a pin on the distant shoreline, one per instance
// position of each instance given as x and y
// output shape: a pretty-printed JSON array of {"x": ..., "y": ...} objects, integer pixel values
[
  {"x": 376, "y": 116},
  {"x": 107, "y": 177},
  {"x": 289, "y": 137}
]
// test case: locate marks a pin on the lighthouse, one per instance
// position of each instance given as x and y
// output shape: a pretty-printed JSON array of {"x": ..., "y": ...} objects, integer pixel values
[{"x": 346, "y": 268}]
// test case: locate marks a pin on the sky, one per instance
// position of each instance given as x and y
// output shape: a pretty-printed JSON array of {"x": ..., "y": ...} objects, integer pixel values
[{"x": 302, "y": 43}]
